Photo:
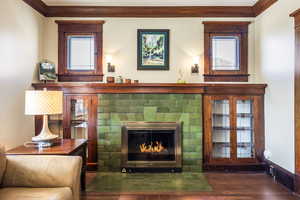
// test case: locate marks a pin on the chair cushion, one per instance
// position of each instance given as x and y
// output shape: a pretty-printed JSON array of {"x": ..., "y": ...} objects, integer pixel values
[
  {"x": 21, "y": 193},
  {"x": 2, "y": 164}
]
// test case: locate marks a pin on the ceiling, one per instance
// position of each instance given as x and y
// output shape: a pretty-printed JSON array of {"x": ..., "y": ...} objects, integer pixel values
[{"x": 150, "y": 2}]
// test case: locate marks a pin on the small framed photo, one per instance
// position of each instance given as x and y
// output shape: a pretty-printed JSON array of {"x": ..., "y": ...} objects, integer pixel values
[
  {"x": 153, "y": 49},
  {"x": 47, "y": 71}
]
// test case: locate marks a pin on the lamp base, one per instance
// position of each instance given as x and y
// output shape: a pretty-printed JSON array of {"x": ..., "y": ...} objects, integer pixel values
[
  {"x": 45, "y": 135},
  {"x": 44, "y": 138}
]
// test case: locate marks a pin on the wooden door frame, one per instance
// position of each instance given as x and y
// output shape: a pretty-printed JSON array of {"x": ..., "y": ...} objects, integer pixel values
[{"x": 296, "y": 16}]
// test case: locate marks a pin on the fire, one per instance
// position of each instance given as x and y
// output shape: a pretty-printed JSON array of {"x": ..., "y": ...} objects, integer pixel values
[{"x": 157, "y": 147}]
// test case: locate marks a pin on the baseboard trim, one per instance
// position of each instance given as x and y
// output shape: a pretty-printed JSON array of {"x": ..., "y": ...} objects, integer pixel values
[
  {"x": 281, "y": 175},
  {"x": 259, "y": 167}
]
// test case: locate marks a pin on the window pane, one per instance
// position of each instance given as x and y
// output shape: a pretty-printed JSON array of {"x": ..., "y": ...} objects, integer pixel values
[
  {"x": 81, "y": 52},
  {"x": 225, "y": 53},
  {"x": 245, "y": 134},
  {"x": 221, "y": 129}
]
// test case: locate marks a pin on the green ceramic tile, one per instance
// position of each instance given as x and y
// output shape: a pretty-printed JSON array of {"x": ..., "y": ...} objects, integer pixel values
[
  {"x": 149, "y": 182},
  {"x": 150, "y": 113},
  {"x": 120, "y": 108}
]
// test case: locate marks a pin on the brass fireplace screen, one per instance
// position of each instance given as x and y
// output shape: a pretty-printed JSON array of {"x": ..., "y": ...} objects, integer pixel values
[{"x": 151, "y": 145}]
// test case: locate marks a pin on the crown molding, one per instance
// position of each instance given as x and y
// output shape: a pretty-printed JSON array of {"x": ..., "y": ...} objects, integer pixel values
[
  {"x": 262, "y": 5},
  {"x": 150, "y": 11},
  {"x": 295, "y": 13},
  {"x": 38, "y": 5}
]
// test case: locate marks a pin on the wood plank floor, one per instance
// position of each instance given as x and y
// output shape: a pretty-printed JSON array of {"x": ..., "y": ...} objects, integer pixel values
[{"x": 226, "y": 186}]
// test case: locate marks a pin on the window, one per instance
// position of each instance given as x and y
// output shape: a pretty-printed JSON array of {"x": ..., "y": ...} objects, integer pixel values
[
  {"x": 80, "y": 50},
  {"x": 225, "y": 53},
  {"x": 226, "y": 49}
]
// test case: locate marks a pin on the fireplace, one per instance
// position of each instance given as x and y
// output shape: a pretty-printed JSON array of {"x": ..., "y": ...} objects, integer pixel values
[{"x": 151, "y": 146}]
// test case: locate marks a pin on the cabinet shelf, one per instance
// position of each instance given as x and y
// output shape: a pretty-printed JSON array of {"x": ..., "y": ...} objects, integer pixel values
[
  {"x": 242, "y": 115},
  {"x": 223, "y": 128}
]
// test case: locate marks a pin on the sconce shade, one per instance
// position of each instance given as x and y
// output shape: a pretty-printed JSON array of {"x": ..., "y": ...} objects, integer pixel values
[
  {"x": 196, "y": 60},
  {"x": 108, "y": 58},
  {"x": 43, "y": 102}
]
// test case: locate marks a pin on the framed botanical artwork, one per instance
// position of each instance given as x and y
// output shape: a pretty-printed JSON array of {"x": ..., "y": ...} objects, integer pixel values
[{"x": 153, "y": 49}]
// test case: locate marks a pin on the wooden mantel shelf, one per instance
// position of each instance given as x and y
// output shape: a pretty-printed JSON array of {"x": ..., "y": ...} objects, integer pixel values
[{"x": 201, "y": 88}]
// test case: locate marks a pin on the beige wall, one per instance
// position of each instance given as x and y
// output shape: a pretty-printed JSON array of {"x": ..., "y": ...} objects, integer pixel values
[
  {"x": 120, "y": 41},
  {"x": 20, "y": 50},
  {"x": 26, "y": 37},
  {"x": 274, "y": 55}
]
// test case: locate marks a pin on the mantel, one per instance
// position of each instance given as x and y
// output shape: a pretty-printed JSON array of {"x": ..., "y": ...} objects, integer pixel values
[{"x": 157, "y": 88}]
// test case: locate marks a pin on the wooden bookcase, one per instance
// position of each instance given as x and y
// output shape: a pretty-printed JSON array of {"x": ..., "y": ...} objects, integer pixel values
[{"x": 233, "y": 131}]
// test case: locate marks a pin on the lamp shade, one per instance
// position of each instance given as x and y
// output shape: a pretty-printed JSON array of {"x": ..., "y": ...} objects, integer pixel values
[{"x": 43, "y": 102}]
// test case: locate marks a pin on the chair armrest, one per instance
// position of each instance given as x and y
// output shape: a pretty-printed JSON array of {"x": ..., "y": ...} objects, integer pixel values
[{"x": 43, "y": 171}]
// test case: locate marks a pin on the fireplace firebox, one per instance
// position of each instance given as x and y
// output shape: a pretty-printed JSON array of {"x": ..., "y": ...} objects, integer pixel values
[{"x": 151, "y": 146}]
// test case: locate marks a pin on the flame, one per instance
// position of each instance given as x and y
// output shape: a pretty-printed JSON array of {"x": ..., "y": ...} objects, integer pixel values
[{"x": 152, "y": 148}]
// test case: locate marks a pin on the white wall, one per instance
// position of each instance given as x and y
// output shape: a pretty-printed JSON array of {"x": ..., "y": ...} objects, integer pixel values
[
  {"x": 274, "y": 56},
  {"x": 120, "y": 41},
  {"x": 20, "y": 51}
]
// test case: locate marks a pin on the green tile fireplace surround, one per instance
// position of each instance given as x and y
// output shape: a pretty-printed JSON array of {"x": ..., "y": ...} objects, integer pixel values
[{"x": 116, "y": 109}]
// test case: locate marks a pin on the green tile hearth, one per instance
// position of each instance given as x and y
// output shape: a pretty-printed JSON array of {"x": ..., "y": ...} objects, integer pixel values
[
  {"x": 116, "y": 109},
  {"x": 148, "y": 182}
]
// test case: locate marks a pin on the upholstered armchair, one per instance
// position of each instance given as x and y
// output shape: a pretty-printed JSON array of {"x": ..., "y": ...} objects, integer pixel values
[{"x": 39, "y": 177}]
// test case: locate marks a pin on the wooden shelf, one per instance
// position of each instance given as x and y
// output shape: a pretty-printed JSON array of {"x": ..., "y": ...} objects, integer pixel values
[
  {"x": 157, "y": 88},
  {"x": 228, "y": 128},
  {"x": 243, "y": 115}
]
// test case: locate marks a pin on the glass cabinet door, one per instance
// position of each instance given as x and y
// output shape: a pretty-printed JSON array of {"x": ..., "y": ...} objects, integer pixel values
[
  {"x": 79, "y": 118},
  {"x": 221, "y": 129},
  {"x": 245, "y": 128},
  {"x": 55, "y": 124}
]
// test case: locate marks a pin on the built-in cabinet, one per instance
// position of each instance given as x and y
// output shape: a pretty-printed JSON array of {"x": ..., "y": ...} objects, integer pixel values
[
  {"x": 78, "y": 121},
  {"x": 233, "y": 116},
  {"x": 232, "y": 130}
]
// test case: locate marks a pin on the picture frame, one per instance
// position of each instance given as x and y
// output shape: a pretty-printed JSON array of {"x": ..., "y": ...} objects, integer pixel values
[
  {"x": 47, "y": 71},
  {"x": 153, "y": 49}
]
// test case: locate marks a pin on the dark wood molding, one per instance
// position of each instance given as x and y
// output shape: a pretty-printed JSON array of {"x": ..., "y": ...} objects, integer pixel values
[
  {"x": 228, "y": 28},
  {"x": 79, "y": 21},
  {"x": 262, "y": 5},
  {"x": 281, "y": 175},
  {"x": 38, "y": 5},
  {"x": 226, "y": 78},
  {"x": 158, "y": 88},
  {"x": 150, "y": 11},
  {"x": 68, "y": 28},
  {"x": 296, "y": 15},
  {"x": 258, "y": 167}
]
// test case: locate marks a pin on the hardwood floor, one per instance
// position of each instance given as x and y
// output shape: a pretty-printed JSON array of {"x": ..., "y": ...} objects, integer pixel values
[{"x": 226, "y": 186}]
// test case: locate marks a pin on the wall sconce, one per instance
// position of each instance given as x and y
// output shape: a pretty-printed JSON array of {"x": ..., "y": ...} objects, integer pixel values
[
  {"x": 110, "y": 67},
  {"x": 195, "y": 67}
]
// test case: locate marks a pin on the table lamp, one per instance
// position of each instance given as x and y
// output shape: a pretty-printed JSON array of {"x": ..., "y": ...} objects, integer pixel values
[{"x": 43, "y": 102}]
